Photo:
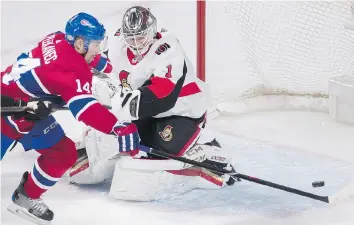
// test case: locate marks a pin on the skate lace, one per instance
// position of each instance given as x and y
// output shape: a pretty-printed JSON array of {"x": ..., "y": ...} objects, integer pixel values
[{"x": 38, "y": 205}]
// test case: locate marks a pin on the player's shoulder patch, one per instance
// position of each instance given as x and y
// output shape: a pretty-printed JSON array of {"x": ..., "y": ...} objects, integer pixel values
[
  {"x": 162, "y": 48},
  {"x": 166, "y": 43}
]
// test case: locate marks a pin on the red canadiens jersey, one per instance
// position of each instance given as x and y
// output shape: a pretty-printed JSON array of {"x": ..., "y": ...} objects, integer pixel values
[
  {"x": 54, "y": 71},
  {"x": 164, "y": 75}
]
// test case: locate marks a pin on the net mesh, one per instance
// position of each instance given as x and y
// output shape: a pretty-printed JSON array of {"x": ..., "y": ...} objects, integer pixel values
[{"x": 283, "y": 48}]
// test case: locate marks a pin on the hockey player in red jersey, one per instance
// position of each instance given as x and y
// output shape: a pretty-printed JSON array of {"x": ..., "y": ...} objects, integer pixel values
[
  {"x": 56, "y": 71},
  {"x": 160, "y": 93}
]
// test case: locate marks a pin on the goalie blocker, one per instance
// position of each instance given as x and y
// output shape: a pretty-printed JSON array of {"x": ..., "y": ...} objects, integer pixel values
[{"x": 144, "y": 177}]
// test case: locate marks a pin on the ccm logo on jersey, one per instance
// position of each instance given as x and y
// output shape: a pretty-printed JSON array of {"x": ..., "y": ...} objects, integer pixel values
[
  {"x": 162, "y": 48},
  {"x": 50, "y": 127}
]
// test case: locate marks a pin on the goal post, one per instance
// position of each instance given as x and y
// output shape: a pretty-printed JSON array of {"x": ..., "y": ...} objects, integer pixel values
[{"x": 201, "y": 39}]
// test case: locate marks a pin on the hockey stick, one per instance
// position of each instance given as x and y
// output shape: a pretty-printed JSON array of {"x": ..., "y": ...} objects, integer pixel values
[
  {"x": 236, "y": 175},
  {"x": 14, "y": 109},
  {"x": 8, "y": 111}
]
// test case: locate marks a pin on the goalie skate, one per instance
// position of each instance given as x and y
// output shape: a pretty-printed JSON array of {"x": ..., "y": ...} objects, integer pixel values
[{"x": 214, "y": 159}]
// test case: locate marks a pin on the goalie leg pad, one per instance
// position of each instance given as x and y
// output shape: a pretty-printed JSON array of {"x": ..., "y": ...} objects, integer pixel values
[
  {"x": 137, "y": 179},
  {"x": 145, "y": 180}
]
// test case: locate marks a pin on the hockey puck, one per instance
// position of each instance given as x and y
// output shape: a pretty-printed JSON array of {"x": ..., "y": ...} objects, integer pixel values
[{"x": 317, "y": 184}]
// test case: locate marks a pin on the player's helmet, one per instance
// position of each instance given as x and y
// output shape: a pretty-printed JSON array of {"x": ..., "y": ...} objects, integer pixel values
[
  {"x": 85, "y": 26},
  {"x": 139, "y": 28}
]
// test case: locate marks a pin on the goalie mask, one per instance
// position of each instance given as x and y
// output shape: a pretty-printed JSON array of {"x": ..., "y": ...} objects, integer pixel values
[{"x": 139, "y": 28}]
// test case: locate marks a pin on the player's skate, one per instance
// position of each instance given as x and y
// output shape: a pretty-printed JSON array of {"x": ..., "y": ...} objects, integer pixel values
[{"x": 34, "y": 210}]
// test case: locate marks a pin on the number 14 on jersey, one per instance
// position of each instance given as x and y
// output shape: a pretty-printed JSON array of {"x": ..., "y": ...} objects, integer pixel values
[{"x": 85, "y": 87}]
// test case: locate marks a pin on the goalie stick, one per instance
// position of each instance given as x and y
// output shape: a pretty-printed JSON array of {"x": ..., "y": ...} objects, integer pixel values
[{"x": 344, "y": 193}]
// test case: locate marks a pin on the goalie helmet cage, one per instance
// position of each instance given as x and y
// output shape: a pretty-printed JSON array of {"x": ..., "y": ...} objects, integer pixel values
[{"x": 264, "y": 55}]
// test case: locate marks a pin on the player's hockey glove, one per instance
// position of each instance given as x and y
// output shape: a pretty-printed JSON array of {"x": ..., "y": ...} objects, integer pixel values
[
  {"x": 38, "y": 110},
  {"x": 35, "y": 109},
  {"x": 127, "y": 135}
]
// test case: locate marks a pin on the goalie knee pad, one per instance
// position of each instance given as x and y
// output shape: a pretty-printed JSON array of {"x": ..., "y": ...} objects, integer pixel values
[
  {"x": 79, "y": 173},
  {"x": 95, "y": 162},
  {"x": 84, "y": 173}
]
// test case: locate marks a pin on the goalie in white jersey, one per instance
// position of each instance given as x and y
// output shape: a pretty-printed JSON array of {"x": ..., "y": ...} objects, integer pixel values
[{"x": 155, "y": 86}]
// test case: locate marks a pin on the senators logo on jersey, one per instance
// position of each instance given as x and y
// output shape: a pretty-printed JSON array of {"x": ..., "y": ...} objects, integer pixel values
[
  {"x": 166, "y": 134},
  {"x": 123, "y": 77}
]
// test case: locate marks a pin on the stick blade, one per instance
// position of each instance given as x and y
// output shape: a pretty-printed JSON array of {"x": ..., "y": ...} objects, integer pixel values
[{"x": 344, "y": 194}]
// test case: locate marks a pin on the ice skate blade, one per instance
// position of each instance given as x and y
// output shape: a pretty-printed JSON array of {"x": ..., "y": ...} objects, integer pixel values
[{"x": 22, "y": 212}]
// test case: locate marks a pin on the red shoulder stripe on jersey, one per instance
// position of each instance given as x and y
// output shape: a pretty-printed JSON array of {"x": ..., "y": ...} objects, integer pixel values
[
  {"x": 161, "y": 87},
  {"x": 161, "y": 95},
  {"x": 189, "y": 89}
]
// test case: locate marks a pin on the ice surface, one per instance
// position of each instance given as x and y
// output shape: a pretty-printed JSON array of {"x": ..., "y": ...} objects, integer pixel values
[{"x": 261, "y": 154}]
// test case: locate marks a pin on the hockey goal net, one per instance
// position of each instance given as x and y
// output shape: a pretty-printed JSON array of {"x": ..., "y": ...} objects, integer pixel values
[
  {"x": 256, "y": 54},
  {"x": 262, "y": 55}
]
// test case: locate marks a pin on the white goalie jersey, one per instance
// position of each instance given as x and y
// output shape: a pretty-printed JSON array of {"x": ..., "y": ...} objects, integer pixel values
[{"x": 164, "y": 75}]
